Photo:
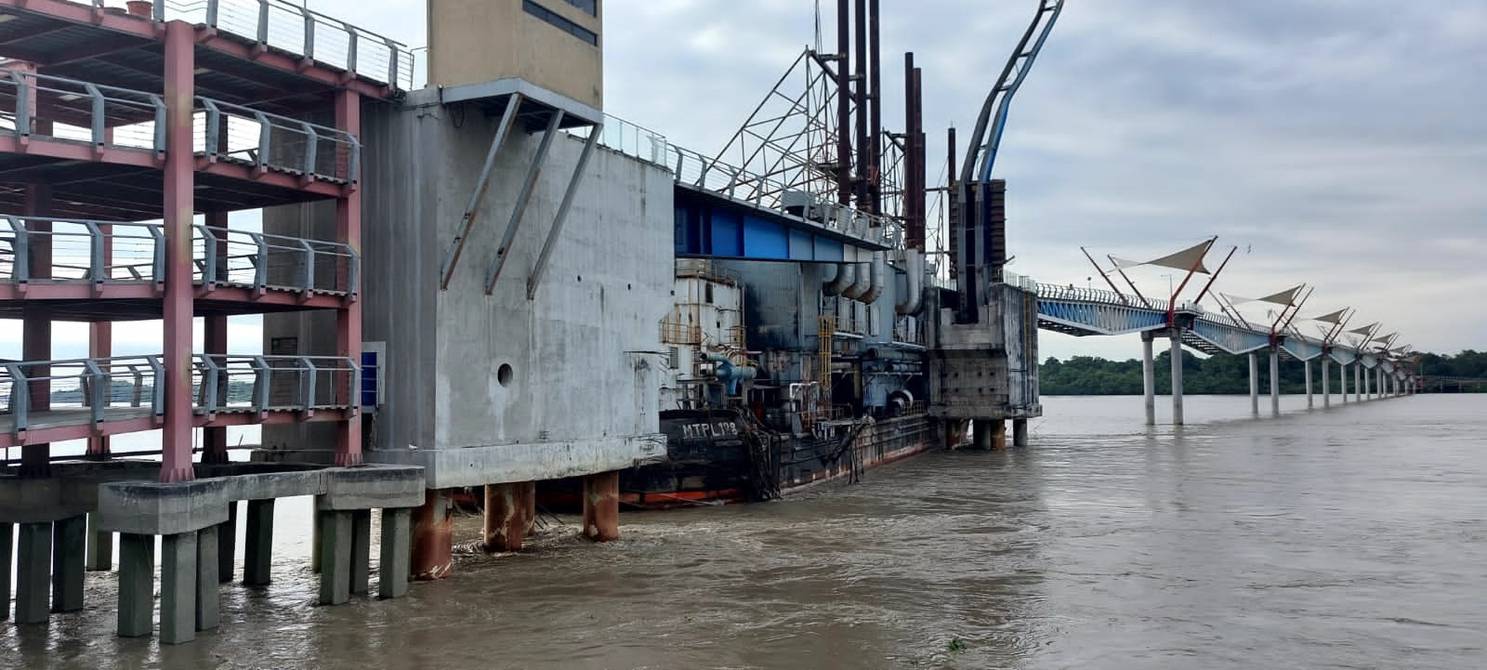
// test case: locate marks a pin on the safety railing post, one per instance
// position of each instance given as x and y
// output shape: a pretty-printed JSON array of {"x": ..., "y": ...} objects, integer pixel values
[
  {"x": 312, "y": 147},
  {"x": 309, "y": 35},
  {"x": 260, "y": 263},
  {"x": 307, "y": 384},
  {"x": 265, "y": 139},
  {"x": 263, "y": 22},
  {"x": 353, "y": 279},
  {"x": 97, "y": 382},
  {"x": 214, "y": 128},
  {"x": 354, "y": 396},
  {"x": 308, "y": 276},
  {"x": 137, "y": 396},
  {"x": 97, "y": 244},
  {"x": 98, "y": 116},
  {"x": 209, "y": 263},
  {"x": 22, "y": 104},
  {"x": 157, "y": 395},
  {"x": 158, "y": 10},
  {"x": 351, "y": 42},
  {"x": 21, "y": 264},
  {"x": 211, "y": 385},
  {"x": 20, "y": 398},
  {"x": 392, "y": 63},
  {"x": 212, "y": 12},
  {"x": 157, "y": 254},
  {"x": 353, "y": 170},
  {"x": 160, "y": 141},
  {"x": 262, "y": 375}
]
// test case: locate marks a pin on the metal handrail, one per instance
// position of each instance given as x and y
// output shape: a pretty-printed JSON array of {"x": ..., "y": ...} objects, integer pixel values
[
  {"x": 111, "y": 118},
  {"x": 105, "y": 252},
  {"x": 96, "y": 384},
  {"x": 293, "y": 29},
  {"x": 269, "y": 141}
]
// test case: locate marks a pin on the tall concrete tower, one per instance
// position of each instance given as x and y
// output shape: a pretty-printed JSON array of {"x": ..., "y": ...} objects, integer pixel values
[{"x": 555, "y": 44}]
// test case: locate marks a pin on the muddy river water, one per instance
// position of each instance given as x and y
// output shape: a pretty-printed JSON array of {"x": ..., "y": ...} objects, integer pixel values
[{"x": 1354, "y": 537}]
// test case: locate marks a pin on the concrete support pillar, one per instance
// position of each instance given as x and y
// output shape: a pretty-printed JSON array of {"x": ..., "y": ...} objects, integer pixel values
[
  {"x": 361, "y": 551},
  {"x": 1149, "y": 378},
  {"x": 509, "y": 510},
  {"x": 7, "y": 549},
  {"x": 1177, "y": 418},
  {"x": 1274, "y": 382},
  {"x": 1254, "y": 384},
  {"x": 1326, "y": 381},
  {"x": 36, "y": 323},
  {"x": 33, "y": 572},
  {"x": 433, "y": 538},
  {"x": 136, "y": 585},
  {"x": 1342, "y": 381},
  {"x": 100, "y": 547},
  {"x": 983, "y": 434},
  {"x": 208, "y": 583},
  {"x": 227, "y": 540},
  {"x": 258, "y": 543},
  {"x": 178, "y": 588},
  {"x": 1019, "y": 432},
  {"x": 348, "y": 318},
  {"x": 1311, "y": 401},
  {"x": 335, "y": 556},
  {"x": 178, "y": 204},
  {"x": 69, "y": 549},
  {"x": 1358, "y": 381},
  {"x": 601, "y": 507},
  {"x": 396, "y": 550}
]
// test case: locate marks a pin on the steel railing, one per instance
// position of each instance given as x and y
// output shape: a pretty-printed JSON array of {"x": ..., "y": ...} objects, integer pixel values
[
  {"x": 219, "y": 384},
  {"x": 103, "y": 116},
  {"x": 103, "y": 253},
  {"x": 293, "y": 29},
  {"x": 108, "y": 117}
]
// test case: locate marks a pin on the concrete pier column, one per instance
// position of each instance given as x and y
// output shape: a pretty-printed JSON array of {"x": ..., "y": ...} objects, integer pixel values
[
  {"x": 258, "y": 543},
  {"x": 69, "y": 549},
  {"x": 601, "y": 507},
  {"x": 1149, "y": 378},
  {"x": 433, "y": 538},
  {"x": 208, "y": 583},
  {"x": 227, "y": 539},
  {"x": 33, "y": 573},
  {"x": 136, "y": 585},
  {"x": 1326, "y": 381},
  {"x": 990, "y": 434},
  {"x": 100, "y": 556},
  {"x": 361, "y": 551},
  {"x": 1254, "y": 384},
  {"x": 1176, "y": 336},
  {"x": 1342, "y": 381},
  {"x": 396, "y": 550},
  {"x": 335, "y": 556},
  {"x": 7, "y": 549},
  {"x": 1311, "y": 402},
  {"x": 178, "y": 588},
  {"x": 1358, "y": 381},
  {"x": 1019, "y": 432},
  {"x": 1275, "y": 382},
  {"x": 509, "y": 510}
]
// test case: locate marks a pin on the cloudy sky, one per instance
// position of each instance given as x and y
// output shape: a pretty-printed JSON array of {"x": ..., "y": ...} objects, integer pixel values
[{"x": 1337, "y": 142}]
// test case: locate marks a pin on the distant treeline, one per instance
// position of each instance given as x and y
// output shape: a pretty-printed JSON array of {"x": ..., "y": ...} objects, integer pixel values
[{"x": 1088, "y": 375}]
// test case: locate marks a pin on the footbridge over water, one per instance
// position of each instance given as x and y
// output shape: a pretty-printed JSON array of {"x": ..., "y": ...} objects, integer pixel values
[{"x": 1378, "y": 369}]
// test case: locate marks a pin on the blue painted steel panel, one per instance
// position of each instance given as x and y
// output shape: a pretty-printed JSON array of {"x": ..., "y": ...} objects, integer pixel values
[
  {"x": 801, "y": 248},
  {"x": 727, "y": 234},
  {"x": 765, "y": 239},
  {"x": 829, "y": 250}
]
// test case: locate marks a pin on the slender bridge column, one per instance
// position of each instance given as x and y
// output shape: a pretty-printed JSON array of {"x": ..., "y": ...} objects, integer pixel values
[
  {"x": 1274, "y": 381},
  {"x": 1149, "y": 378},
  {"x": 1254, "y": 384},
  {"x": 1311, "y": 402},
  {"x": 1326, "y": 381},
  {"x": 1358, "y": 381},
  {"x": 1176, "y": 335}
]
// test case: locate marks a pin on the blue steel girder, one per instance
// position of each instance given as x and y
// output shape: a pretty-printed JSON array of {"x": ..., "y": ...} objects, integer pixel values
[
  {"x": 1343, "y": 356},
  {"x": 1369, "y": 360},
  {"x": 1083, "y": 318},
  {"x": 1302, "y": 350},
  {"x": 1227, "y": 338}
]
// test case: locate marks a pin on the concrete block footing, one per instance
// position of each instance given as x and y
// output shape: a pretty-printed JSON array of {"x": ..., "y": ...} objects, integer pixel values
[
  {"x": 258, "y": 544},
  {"x": 178, "y": 588},
  {"x": 69, "y": 549},
  {"x": 33, "y": 573},
  {"x": 397, "y": 539},
  {"x": 601, "y": 507},
  {"x": 136, "y": 585}
]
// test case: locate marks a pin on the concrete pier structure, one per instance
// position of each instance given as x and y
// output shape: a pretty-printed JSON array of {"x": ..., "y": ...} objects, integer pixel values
[
  {"x": 69, "y": 549},
  {"x": 601, "y": 507},
  {"x": 100, "y": 553},
  {"x": 1176, "y": 338},
  {"x": 1019, "y": 433},
  {"x": 1149, "y": 378},
  {"x": 1326, "y": 381},
  {"x": 1311, "y": 402},
  {"x": 1275, "y": 382},
  {"x": 510, "y": 510},
  {"x": 1254, "y": 384}
]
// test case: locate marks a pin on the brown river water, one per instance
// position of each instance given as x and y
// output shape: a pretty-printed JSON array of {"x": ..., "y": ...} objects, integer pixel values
[{"x": 1354, "y": 537}]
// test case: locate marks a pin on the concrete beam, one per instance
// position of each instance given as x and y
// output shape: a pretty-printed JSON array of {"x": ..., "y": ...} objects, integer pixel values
[{"x": 512, "y": 463}]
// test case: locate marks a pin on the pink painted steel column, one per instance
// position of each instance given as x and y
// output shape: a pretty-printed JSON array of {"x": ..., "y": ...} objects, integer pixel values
[
  {"x": 180, "y": 64},
  {"x": 348, "y": 318},
  {"x": 36, "y": 324},
  {"x": 214, "y": 343}
]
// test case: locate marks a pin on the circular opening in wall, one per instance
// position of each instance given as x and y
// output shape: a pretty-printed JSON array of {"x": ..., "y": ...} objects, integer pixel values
[{"x": 505, "y": 374}]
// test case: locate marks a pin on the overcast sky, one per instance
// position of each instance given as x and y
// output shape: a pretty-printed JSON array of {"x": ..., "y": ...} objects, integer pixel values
[{"x": 1337, "y": 142}]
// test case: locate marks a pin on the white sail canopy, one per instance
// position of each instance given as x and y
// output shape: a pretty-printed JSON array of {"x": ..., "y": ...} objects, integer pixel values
[
  {"x": 1364, "y": 330},
  {"x": 1334, "y": 318},
  {"x": 1286, "y": 297},
  {"x": 1190, "y": 259}
]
